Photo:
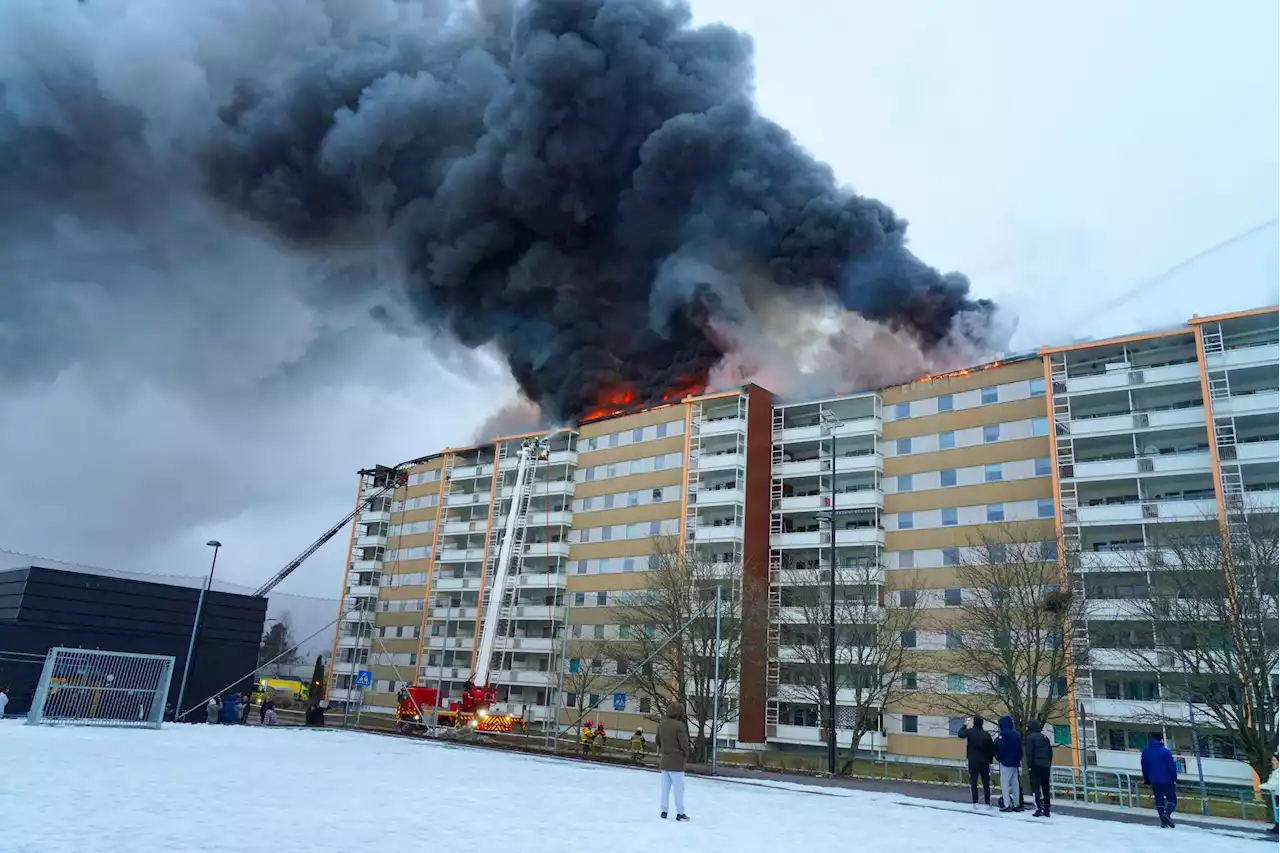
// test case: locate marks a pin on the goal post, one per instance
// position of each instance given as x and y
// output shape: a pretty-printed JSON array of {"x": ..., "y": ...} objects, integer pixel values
[{"x": 88, "y": 687}]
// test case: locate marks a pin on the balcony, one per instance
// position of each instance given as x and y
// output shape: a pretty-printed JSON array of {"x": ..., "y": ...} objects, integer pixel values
[
  {"x": 355, "y": 642},
  {"x": 1111, "y": 609},
  {"x": 528, "y": 644},
  {"x": 1239, "y": 405},
  {"x": 453, "y": 613},
  {"x": 540, "y": 518},
  {"x": 370, "y": 541},
  {"x": 705, "y": 532},
  {"x": 455, "y": 528},
  {"x": 861, "y": 499},
  {"x": 1139, "y": 377},
  {"x": 1268, "y": 354},
  {"x": 461, "y": 555},
  {"x": 363, "y": 590},
  {"x": 543, "y": 579},
  {"x": 449, "y": 642},
  {"x": 1258, "y": 451},
  {"x": 470, "y": 472},
  {"x": 372, "y": 517},
  {"x": 1217, "y": 771},
  {"x": 814, "y": 736},
  {"x": 1132, "y": 710},
  {"x": 718, "y": 461},
  {"x": 1138, "y": 512},
  {"x": 456, "y": 584},
  {"x": 358, "y": 616},
  {"x": 447, "y": 673},
  {"x": 535, "y": 677},
  {"x": 864, "y": 536},
  {"x": 366, "y": 565},
  {"x": 347, "y": 667},
  {"x": 721, "y": 426},
  {"x": 556, "y": 457},
  {"x": 861, "y": 426},
  {"x": 547, "y": 549},
  {"x": 543, "y": 487},
  {"x": 1198, "y": 462},
  {"x": 1192, "y": 416},
  {"x": 718, "y": 497},
  {"x": 1125, "y": 660},
  {"x": 538, "y": 611},
  {"x": 822, "y": 465}
]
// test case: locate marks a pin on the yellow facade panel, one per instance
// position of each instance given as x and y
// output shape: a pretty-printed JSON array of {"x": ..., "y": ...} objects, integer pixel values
[
  {"x": 614, "y": 548},
  {"x": 416, "y": 592},
  {"x": 627, "y": 515},
  {"x": 1005, "y": 491},
  {"x": 630, "y": 483},
  {"x": 995, "y": 413},
  {"x": 1041, "y": 529},
  {"x": 627, "y": 452},
  {"x": 969, "y": 457},
  {"x": 610, "y": 581},
  {"x": 982, "y": 377},
  {"x": 416, "y": 540},
  {"x": 649, "y": 417}
]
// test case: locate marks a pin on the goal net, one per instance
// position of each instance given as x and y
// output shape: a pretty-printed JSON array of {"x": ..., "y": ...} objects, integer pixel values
[{"x": 87, "y": 687}]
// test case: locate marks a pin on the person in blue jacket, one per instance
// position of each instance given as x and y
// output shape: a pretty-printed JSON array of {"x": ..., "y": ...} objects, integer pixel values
[
  {"x": 1160, "y": 771},
  {"x": 1009, "y": 753}
]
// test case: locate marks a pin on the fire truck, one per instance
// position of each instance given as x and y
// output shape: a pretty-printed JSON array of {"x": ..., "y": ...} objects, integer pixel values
[{"x": 420, "y": 707}]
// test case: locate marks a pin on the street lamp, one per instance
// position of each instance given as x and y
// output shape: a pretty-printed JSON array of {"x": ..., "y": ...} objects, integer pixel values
[
  {"x": 832, "y": 422},
  {"x": 195, "y": 626}
]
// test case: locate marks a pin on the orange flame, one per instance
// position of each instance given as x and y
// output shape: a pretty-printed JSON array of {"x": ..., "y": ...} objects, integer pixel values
[
  {"x": 623, "y": 398},
  {"x": 956, "y": 373}
]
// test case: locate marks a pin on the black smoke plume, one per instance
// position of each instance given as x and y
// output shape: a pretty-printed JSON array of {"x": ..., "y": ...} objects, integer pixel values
[{"x": 583, "y": 184}]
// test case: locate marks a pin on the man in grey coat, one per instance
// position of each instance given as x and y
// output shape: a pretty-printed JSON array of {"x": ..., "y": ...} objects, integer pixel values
[
  {"x": 673, "y": 751},
  {"x": 1039, "y": 765}
]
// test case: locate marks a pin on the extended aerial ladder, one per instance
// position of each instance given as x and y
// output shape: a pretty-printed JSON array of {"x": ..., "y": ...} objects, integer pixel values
[
  {"x": 385, "y": 479},
  {"x": 478, "y": 696}
]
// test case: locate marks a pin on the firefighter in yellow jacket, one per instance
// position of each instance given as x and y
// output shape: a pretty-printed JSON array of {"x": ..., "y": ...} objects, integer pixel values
[
  {"x": 637, "y": 746},
  {"x": 587, "y": 736}
]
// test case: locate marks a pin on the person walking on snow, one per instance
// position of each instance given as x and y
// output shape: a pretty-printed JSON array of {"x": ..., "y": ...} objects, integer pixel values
[
  {"x": 673, "y": 751},
  {"x": 211, "y": 711},
  {"x": 1009, "y": 751},
  {"x": 1039, "y": 766},
  {"x": 979, "y": 752},
  {"x": 1160, "y": 771},
  {"x": 637, "y": 746}
]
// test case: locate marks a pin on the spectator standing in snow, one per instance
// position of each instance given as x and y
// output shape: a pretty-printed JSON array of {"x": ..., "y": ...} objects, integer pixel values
[
  {"x": 270, "y": 717},
  {"x": 673, "y": 751},
  {"x": 1272, "y": 787},
  {"x": 1160, "y": 771},
  {"x": 211, "y": 711},
  {"x": 1009, "y": 751},
  {"x": 4, "y": 700},
  {"x": 245, "y": 704},
  {"x": 1039, "y": 766},
  {"x": 979, "y": 752}
]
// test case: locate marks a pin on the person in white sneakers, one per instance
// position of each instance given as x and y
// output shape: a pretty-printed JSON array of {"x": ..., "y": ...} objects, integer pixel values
[{"x": 673, "y": 752}]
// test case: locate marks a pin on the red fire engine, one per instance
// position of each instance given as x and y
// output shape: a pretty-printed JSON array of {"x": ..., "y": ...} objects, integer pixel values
[{"x": 420, "y": 706}]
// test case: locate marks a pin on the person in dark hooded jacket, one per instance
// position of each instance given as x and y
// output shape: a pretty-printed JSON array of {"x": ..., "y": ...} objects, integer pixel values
[
  {"x": 1160, "y": 771},
  {"x": 1009, "y": 751},
  {"x": 979, "y": 752},
  {"x": 1039, "y": 765}
]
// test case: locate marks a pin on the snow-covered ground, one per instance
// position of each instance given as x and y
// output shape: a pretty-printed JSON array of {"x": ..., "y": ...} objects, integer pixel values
[{"x": 212, "y": 788}]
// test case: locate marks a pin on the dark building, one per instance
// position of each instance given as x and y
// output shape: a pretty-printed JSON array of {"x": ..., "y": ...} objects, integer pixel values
[{"x": 41, "y": 608}]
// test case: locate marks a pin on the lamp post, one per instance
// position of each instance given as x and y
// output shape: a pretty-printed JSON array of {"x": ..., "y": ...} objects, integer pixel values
[
  {"x": 195, "y": 627},
  {"x": 830, "y": 419}
]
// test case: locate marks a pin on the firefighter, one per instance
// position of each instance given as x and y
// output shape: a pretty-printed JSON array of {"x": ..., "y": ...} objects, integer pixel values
[
  {"x": 637, "y": 746},
  {"x": 602, "y": 739},
  {"x": 587, "y": 736}
]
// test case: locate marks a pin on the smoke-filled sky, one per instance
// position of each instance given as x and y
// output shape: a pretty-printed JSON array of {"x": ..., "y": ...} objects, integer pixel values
[{"x": 219, "y": 299}]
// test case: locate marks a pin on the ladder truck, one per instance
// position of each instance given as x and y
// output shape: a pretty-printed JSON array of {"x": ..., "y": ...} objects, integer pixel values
[{"x": 474, "y": 710}]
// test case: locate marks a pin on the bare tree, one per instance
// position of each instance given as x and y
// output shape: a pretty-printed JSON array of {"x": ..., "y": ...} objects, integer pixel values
[
  {"x": 667, "y": 641},
  {"x": 583, "y": 675},
  {"x": 869, "y": 653},
  {"x": 1212, "y": 605},
  {"x": 1012, "y": 627}
]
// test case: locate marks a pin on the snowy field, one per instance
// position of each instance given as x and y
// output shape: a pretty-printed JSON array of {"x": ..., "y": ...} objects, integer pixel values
[{"x": 185, "y": 789}]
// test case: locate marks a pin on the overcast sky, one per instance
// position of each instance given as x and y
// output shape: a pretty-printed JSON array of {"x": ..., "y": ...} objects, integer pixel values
[{"x": 1058, "y": 156}]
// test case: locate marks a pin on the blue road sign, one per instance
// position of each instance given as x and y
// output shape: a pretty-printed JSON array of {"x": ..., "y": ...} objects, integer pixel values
[
  {"x": 364, "y": 678},
  {"x": 619, "y": 701}
]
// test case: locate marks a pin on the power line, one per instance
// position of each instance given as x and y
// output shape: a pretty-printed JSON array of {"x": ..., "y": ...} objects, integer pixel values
[{"x": 1096, "y": 310}]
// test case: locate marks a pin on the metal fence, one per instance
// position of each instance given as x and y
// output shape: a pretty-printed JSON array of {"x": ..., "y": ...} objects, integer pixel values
[{"x": 83, "y": 687}]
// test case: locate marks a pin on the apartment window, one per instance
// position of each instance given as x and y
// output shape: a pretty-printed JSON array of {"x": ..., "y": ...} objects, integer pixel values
[
  {"x": 955, "y": 683},
  {"x": 990, "y": 395},
  {"x": 907, "y": 597},
  {"x": 399, "y": 631},
  {"x": 646, "y": 703},
  {"x": 598, "y": 630},
  {"x": 1043, "y": 467},
  {"x": 954, "y": 641},
  {"x": 949, "y": 517},
  {"x": 579, "y": 599},
  {"x": 995, "y": 512},
  {"x": 1036, "y": 387},
  {"x": 571, "y": 700},
  {"x": 910, "y": 724},
  {"x": 1044, "y": 508},
  {"x": 954, "y": 725},
  {"x": 951, "y": 597},
  {"x": 1049, "y": 550},
  {"x": 1059, "y": 687},
  {"x": 661, "y": 431},
  {"x": 993, "y": 472},
  {"x": 656, "y": 495},
  {"x": 999, "y": 552},
  {"x": 1039, "y": 426},
  {"x": 946, "y": 440},
  {"x": 908, "y": 639},
  {"x": 909, "y": 681},
  {"x": 949, "y": 477},
  {"x": 593, "y": 699},
  {"x": 950, "y": 556},
  {"x": 990, "y": 433},
  {"x": 907, "y": 560},
  {"x": 902, "y": 410},
  {"x": 903, "y": 446},
  {"x": 904, "y": 483},
  {"x": 602, "y": 598},
  {"x": 946, "y": 403},
  {"x": 906, "y": 521}
]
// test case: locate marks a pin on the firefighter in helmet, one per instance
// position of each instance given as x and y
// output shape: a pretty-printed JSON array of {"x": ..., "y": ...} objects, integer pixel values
[
  {"x": 587, "y": 736},
  {"x": 601, "y": 740},
  {"x": 637, "y": 746}
]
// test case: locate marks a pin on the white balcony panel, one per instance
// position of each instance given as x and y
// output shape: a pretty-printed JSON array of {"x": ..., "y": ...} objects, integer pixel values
[
  {"x": 1124, "y": 660},
  {"x": 372, "y": 517},
  {"x": 1237, "y": 405},
  {"x": 1116, "y": 608},
  {"x": 535, "y": 677},
  {"x": 547, "y": 549},
  {"x": 864, "y": 499},
  {"x": 1217, "y": 771},
  {"x": 549, "y": 519},
  {"x": 538, "y": 611},
  {"x": 449, "y": 642},
  {"x": 1263, "y": 500},
  {"x": 466, "y": 498},
  {"x": 370, "y": 541},
  {"x": 453, "y": 613},
  {"x": 719, "y": 497},
  {"x": 366, "y": 565},
  {"x": 721, "y": 426},
  {"x": 461, "y": 555},
  {"x": 811, "y": 736},
  {"x": 470, "y": 472},
  {"x": 448, "y": 584},
  {"x": 1130, "y": 710},
  {"x": 549, "y": 488},
  {"x": 720, "y": 461},
  {"x": 550, "y": 580},
  {"x": 363, "y": 590},
  {"x": 1244, "y": 357},
  {"x": 356, "y": 642},
  {"x": 345, "y": 668},
  {"x": 456, "y": 528},
  {"x": 528, "y": 644},
  {"x": 1258, "y": 451},
  {"x": 814, "y": 539},
  {"x": 722, "y": 533}
]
